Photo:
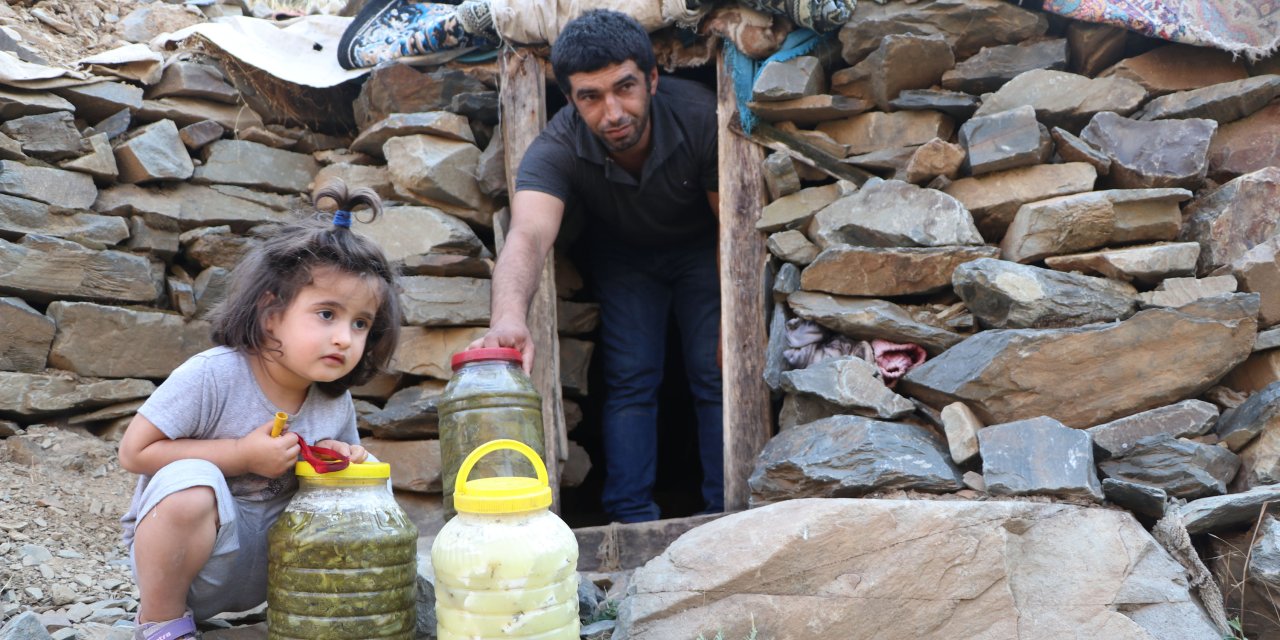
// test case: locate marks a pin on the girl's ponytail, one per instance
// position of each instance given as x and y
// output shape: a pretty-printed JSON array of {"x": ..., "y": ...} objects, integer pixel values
[{"x": 346, "y": 200}]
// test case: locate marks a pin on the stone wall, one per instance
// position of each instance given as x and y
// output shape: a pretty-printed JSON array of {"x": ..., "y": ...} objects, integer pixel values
[{"x": 1065, "y": 234}]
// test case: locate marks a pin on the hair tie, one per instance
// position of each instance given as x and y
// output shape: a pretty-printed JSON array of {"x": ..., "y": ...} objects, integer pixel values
[{"x": 342, "y": 218}]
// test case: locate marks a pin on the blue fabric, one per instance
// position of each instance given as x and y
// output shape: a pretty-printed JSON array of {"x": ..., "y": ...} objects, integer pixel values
[
  {"x": 638, "y": 290},
  {"x": 745, "y": 70}
]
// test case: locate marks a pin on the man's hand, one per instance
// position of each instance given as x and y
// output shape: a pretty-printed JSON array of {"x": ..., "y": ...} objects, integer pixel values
[
  {"x": 512, "y": 334},
  {"x": 267, "y": 456},
  {"x": 354, "y": 452}
]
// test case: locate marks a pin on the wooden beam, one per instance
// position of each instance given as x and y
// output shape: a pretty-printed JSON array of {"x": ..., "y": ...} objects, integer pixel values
[
  {"x": 743, "y": 334},
  {"x": 621, "y": 547},
  {"x": 801, "y": 151},
  {"x": 523, "y": 103}
]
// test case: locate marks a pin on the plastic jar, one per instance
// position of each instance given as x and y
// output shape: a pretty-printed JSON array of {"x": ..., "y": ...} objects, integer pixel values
[
  {"x": 506, "y": 567},
  {"x": 342, "y": 559},
  {"x": 488, "y": 398}
]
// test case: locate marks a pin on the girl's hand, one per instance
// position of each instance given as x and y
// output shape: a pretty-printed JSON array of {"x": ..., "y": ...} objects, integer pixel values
[
  {"x": 355, "y": 452},
  {"x": 268, "y": 456}
]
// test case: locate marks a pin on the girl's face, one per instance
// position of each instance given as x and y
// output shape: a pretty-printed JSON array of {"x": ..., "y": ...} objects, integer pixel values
[{"x": 323, "y": 331}]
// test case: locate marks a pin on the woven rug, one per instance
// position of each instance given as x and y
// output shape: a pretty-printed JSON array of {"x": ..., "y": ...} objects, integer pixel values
[{"x": 1248, "y": 27}]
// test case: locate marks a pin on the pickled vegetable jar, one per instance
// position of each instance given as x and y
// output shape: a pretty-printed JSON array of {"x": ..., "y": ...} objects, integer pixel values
[
  {"x": 506, "y": 567},
  {"x": 488, "y": 398},
  {"x": 342, "y": 559}
]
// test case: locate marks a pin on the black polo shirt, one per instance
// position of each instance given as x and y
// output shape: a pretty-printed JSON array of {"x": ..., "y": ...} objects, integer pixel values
[{"x": 668, "y": 204}]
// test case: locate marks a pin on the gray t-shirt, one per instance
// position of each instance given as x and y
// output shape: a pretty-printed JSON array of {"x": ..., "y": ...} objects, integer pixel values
[{"x": 214, "y": 395}]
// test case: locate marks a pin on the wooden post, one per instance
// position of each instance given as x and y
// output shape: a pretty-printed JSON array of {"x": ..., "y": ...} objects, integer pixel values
[
  {"x": 524, "y": 114},
  {"x": 743, "y": 334}
]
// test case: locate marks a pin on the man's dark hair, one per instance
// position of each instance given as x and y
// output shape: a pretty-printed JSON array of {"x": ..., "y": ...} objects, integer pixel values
[{"x": 597, "y": 39}]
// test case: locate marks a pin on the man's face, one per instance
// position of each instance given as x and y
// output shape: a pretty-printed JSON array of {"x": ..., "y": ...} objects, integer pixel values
[{"x": 614, "y": 102}]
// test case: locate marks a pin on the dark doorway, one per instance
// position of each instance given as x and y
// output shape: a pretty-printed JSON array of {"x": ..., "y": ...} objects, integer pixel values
[{"x": 677, "y": 489}]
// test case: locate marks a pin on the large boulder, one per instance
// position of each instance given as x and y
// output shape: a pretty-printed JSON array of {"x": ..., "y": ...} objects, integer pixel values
[
  {"x": 1006, "y": 140},
  {"x": 408, "y": 232},
  {"x": 868, "y": 319},
  {"x": 43, "y": 269},
  {"x": 931, "y": 570},
  {"x": 1152, "y": 155},
  {"x": 901, "y": 62},
  {"x": 851, "y": 383},
  {"x": 849, "y": 456},
  {"x": 1182, "y": 468},
  {"x": 1008, "y": 295},
  {"x": 1232, "y": 219},
  {"x": 117, "y": 342},
  {"x": 1064, "y": 99},
  {"x": 435, "y": 170},
  {"x": 1091, "y": 375},
  {"x": 250, "y": 164},
  {"x": 1224, "y": 102},
  {"x": 868, "y": 132},
  {"x": 25, "y": 336},
  {"x": 892, "y": 213},
  {"x": 19, "y": 216},
  {"x": 1147, "y": 265},
  {"x": 1246, "y": 145},
  {"x": 993, "y": 199},
  {"x": 967, "y": 25},
  {"x": 993, "y": 66},
  {"x": 1039, "y": 456},
  {"x": 34, "y": 395},
  {"x": 425, "y": 351},
  {"x": 434, "y": 301},
  {"x": 1179, "y": 67},
  {"x": 870, "y": 271},
  {"x": 1070, "y": 224},
  {"x": 187, "y": 206},
  {"x": 67, "y": 189},
  {"x": 1185, "y": 419}
]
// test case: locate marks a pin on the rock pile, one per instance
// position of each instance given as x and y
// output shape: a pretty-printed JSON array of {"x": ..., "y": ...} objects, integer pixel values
[
  {"x": 1077, "y": 226},
  {"x": 126, "y": 201}
]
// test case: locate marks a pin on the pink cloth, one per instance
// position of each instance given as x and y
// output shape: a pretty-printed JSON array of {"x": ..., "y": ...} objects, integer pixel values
[
  {"x": 895, "y": 360},
  {"x": 810, "y": 343}
]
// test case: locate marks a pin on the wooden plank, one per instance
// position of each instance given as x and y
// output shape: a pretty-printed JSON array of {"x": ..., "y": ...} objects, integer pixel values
[
  {"x": 743, "y": 334},
  {"x": 523, "y": 102},
  {"x": 621, "y": 547},
  {"x": 800, "y": 150}
]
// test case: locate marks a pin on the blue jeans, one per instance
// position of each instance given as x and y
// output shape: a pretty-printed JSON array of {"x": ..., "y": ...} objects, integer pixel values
[{"x": 638, "y": 289}]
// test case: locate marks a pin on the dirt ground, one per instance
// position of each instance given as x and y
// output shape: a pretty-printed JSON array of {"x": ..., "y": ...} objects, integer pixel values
[
  {"x": 63, "y": 31},
  {"x": 61, "y": 497}
]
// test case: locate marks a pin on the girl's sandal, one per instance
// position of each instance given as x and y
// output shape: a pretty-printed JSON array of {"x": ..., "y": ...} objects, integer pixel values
[{"x": 184, "y": 627}]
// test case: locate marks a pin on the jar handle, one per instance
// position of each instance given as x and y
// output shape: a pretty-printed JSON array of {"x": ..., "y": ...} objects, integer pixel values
[{"x": 481, "y": 451}]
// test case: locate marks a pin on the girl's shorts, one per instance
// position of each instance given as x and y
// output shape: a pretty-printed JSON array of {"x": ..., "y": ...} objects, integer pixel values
[{"x": 235, "y": 577}]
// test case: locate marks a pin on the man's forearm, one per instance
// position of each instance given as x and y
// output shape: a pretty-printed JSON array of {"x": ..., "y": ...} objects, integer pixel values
[{"x": 515, "y": 278}]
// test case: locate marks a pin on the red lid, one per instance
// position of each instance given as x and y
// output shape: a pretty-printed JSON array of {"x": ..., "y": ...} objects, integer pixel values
[{"x": 493, "y": 353}]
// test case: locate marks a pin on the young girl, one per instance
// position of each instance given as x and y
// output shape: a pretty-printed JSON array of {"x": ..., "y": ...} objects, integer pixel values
[{"x": 311, "y": 312}]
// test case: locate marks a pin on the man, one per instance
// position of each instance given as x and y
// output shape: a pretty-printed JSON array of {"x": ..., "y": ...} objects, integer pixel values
[{"x": 639, "y": 158}]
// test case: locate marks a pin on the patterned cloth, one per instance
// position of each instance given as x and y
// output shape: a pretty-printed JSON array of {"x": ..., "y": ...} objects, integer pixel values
[
  {"x": 390, "y": 29},
  {"x": 818, "y": 15},
  {"x": 1249, "y": 27}
]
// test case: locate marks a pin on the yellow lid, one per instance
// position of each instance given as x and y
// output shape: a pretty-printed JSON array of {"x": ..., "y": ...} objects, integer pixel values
[
  {"x": 360, "y": 470},
  {"x": 501, "y": 495}
]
